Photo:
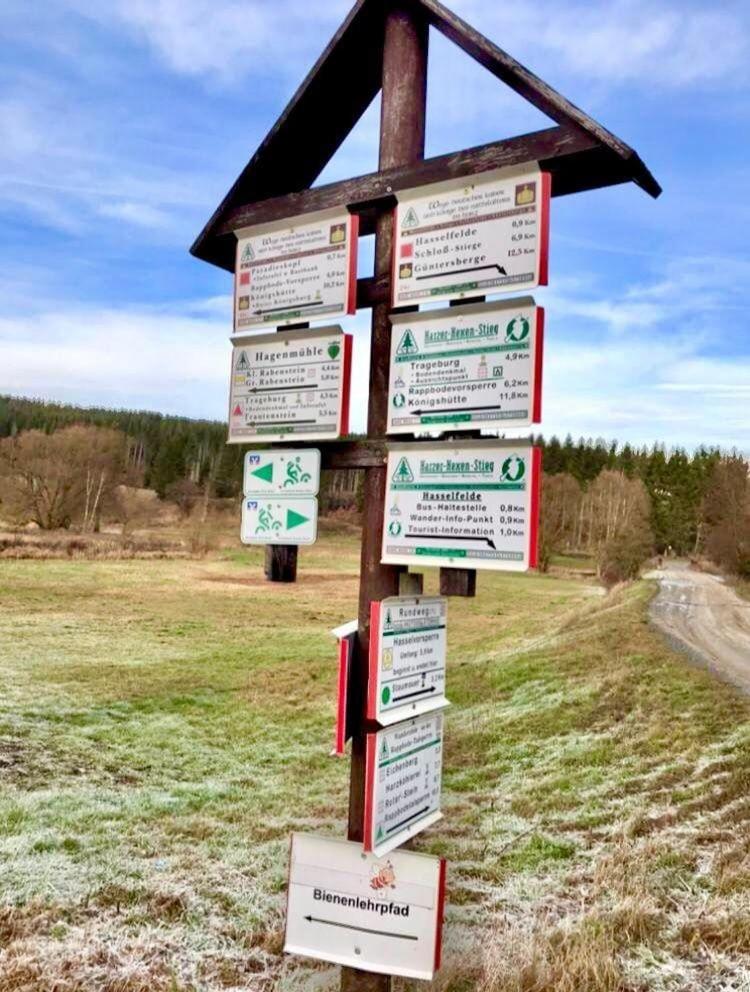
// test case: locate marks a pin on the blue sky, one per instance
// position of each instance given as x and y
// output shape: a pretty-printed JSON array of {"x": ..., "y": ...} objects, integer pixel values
[{"x": 123, "y": 125}]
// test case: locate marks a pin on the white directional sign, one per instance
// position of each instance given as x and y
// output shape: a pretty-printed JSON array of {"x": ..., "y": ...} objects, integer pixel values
[
  {"x": 470, "y": 504},
  {"x": 378, "y": 914},
  {"x": 285, "y": 472},
  {"x": 474, "y": 366},
  {"x": 291, "y": 385},
  {"x": 279, "y": 520},
  {"x": 407, "y": 657},
  {"x": 403, "y": 774},
  {"x": 474, "y": 236},
  {"x": 296, "y": 269}
]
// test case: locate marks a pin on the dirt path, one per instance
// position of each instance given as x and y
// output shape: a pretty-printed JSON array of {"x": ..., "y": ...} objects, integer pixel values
[{"x": 703, "y": 616}]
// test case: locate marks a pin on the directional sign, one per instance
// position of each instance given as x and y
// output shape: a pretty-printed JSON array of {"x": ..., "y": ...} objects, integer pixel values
[
  {"x": 286, "y": 472},
  {"x": 407, "y": 658},
  {"x": 403, "y": 772},
  {"x": 487, "y": 234},
  {"x": 346, "y": 714},
  {"x": 297, "y": 269},
  {"x": 473, "y": 366},
  {"x": 471, "y": 504},
  {"x": 289, "y": 386},
  {"x": 378, "y": 914},
  {"x": 279, "y": 520}
]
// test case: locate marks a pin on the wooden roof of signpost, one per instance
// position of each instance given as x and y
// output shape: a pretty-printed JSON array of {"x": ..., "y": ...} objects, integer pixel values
[{"x": 579, "y": 152}]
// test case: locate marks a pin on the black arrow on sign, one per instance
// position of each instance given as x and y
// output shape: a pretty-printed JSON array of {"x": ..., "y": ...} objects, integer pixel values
[
  {"x": 291, "y": 306},
  {"x": 349, "y": 926},
  {"x": 460, "y": 272},
  {"x": 410, "y": 695},
  {"x": 397, "y": 826},
  {"x": 453, "y": 537},
  {"x": 281, "y": 389},
  {"x": 463, "y": 409}
]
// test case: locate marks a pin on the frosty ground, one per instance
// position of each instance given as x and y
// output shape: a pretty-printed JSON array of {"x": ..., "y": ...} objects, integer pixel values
[{"x": 165, "y": 724}]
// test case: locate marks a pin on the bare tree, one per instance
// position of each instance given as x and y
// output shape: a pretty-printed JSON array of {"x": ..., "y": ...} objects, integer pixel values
[{"x": 60, "y": 479}]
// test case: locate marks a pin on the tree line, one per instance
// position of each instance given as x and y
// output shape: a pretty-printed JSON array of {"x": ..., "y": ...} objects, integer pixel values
[{"x": 619, "y": 503}]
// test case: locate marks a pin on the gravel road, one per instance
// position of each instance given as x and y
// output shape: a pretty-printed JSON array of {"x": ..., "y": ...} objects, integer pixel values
[{"x": 703, "y": 616}]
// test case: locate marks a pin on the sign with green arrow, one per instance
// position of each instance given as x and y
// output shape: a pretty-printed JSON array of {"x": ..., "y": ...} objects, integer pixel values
[
  {"x": 285, "y": 472},
  {"x": 279, "y": 519}
]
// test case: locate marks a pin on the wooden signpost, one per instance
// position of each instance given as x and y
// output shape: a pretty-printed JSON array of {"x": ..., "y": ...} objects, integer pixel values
[{"x": 470, "y": 224}]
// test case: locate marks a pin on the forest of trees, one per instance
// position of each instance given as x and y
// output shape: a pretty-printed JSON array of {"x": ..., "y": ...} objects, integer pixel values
[{"x": 615, "y": 502}]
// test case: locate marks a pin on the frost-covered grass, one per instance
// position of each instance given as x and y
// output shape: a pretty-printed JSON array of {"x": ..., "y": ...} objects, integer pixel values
[{"x": 164, "y": 725}]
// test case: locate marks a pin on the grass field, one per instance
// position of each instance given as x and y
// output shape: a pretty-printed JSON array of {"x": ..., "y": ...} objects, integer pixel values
[{"x": 164, "y": 725}]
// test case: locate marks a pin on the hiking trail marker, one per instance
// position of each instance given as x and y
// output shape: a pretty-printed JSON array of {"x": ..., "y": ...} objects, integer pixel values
[
  {"x": 301, "y": 268},
  {"x": 471, "y": 237},
  {"x": 290, "y": 386},
  {"x": 468, "y": 367},
  {"x": 407, "y": 658},
  {"x": 469, "y": 504},
  {"x": 290, "y": 472},
  {"x": 382, "y": 914},
  {"x": 403, "y": 775},
  {"x": 279, "y": 520}
]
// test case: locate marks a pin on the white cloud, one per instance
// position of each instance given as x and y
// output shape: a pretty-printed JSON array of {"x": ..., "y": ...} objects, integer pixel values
[{"x": 628, "y": 41}]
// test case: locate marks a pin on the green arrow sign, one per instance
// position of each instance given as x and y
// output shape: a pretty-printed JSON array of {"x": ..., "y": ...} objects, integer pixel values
[
  {"x": 265, "y": 472},
  {"x": 294, "y": 519}
]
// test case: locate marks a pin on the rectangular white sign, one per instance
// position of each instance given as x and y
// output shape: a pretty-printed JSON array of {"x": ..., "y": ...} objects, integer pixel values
[
  {"x": 403, "y": 774},
  {"x": 407, "y": 657},
  {"x": 469, "y": 237},
  {"x": 378, "y": 914},
  {"x": 464, "y": 504},
  {"x": 474, "y": 366},
  {"x": 288, "y": 386},
  {"x": 279, "y": 520},
  {"x": 284, "y": 472},
  {"x": 297, "y": 269}
]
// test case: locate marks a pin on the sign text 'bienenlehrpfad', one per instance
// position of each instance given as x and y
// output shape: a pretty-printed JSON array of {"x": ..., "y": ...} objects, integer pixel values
[
  {"x": 378, "y": 914},
  {"x": 471, "y": 504},
  {"x": 290, "y": 386},
  {"x": 407, "y": 657},
  {"x": 403, "y": 774},
  {"x": 467, "y": 367},
  {"x": 295, "y": 270},
  {"x": 487, "y": 234}
]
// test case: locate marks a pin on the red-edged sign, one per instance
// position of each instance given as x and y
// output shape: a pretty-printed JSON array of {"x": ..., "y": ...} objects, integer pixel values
[
  {"x": 403, "y": 774},
  {"x": 298, "y": 269},
  {"x": 407, "y": 658},
  {"x": 463, "y": 504},
  {"x": 469, "y": 367},
  {"x": 290, "y": 386},
  {"x": 468, "y": 237},
  {"x": 379, "y": 914},
  {"x": 346, "y": 635}
]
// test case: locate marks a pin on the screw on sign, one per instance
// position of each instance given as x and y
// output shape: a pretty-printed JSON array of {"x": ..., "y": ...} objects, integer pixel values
[{"x": 490, "y": 230}]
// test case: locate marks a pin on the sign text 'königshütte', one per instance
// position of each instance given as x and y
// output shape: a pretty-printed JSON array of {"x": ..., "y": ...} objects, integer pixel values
[{"x": 467, "y": 367}]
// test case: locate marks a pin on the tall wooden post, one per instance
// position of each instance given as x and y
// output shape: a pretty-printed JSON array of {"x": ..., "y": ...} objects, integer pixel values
[{"x": 402, "y": 141}]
